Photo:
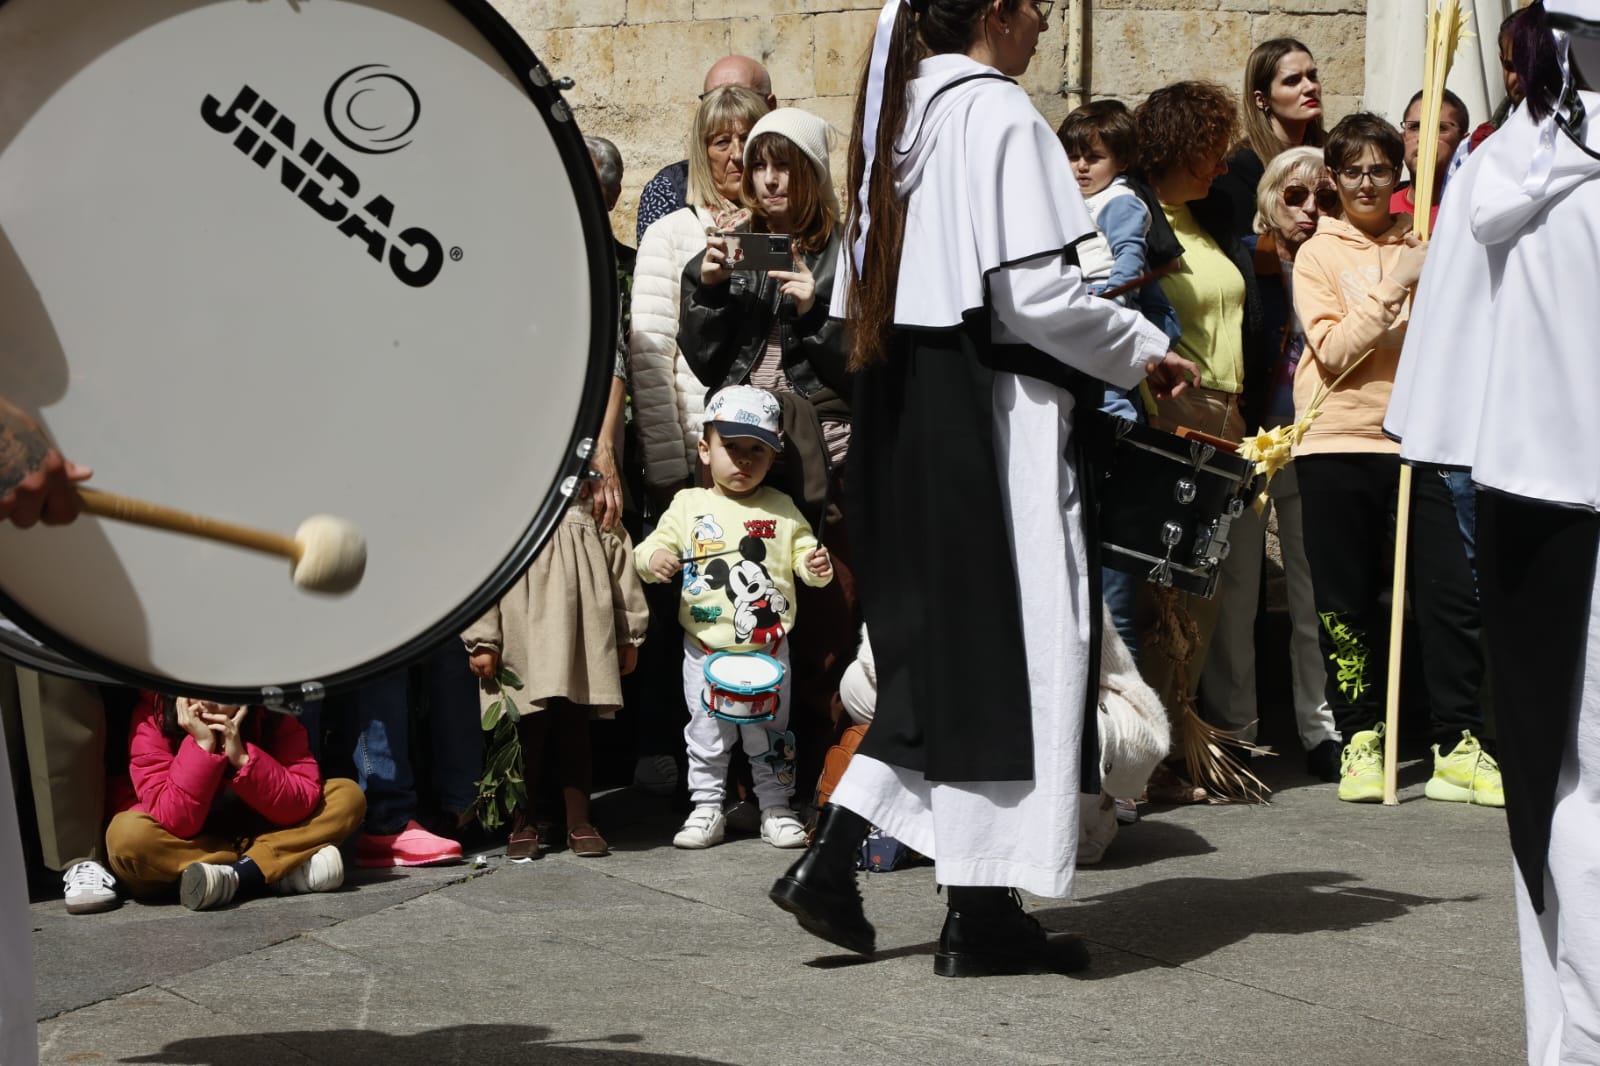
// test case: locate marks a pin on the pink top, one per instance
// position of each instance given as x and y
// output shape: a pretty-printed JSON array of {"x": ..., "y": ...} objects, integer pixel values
[{"x": 177, "y": 783}]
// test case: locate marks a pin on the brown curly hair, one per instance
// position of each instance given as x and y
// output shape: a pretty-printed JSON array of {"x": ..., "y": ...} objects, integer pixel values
[{"x": 1181, "y": 124}]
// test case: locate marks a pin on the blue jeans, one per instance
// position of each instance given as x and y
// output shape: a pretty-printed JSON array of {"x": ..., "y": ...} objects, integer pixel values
[
  {"x": 382, "y": 743},
  {"x": 1465, "y": 497},
  {"x": 1119, "y": 591}
]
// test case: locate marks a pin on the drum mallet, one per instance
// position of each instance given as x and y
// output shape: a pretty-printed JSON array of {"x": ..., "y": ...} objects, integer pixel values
[{"x": 326, "y": 554}]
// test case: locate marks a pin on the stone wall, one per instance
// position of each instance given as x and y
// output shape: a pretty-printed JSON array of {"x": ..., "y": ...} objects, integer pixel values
[{"x": 638, "y": 64}]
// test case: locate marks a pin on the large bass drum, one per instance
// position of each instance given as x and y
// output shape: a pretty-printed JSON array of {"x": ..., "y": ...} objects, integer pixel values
[{"x": 264, "y": 259}]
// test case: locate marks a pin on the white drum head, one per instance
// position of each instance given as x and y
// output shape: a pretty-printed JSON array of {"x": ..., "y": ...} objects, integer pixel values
[
  {"x": 265, "y": 260},
  {"x": 744, "y": 672}
]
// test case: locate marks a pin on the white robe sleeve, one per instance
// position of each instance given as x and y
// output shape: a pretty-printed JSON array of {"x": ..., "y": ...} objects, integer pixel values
[{"x": 1045, "y": 303}]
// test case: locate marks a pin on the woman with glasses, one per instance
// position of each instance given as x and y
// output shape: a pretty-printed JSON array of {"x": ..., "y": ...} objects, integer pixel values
[
  {"x": 1296, "y": 192},
  {"x": 1354, "y": 282}
]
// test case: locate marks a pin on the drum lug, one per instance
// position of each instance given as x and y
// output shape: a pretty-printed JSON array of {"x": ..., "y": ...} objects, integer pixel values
[
  {"x": 1236, "y": 507},
  {"x": 1200, "y": 453},
  {"x": 585, "y": 448},
  {"x": 1185, "y": 491},
  {"x": 291, "y": 702}
]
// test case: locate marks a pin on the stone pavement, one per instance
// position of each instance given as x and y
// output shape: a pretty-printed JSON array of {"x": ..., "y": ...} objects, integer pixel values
[{"x": 1304, "y": 932}]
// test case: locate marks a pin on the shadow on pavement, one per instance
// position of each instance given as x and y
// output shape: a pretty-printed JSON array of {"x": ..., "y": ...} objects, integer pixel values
[
  {"x": 1210, "y": 913},
  {"x": 481, "y": 1045}
]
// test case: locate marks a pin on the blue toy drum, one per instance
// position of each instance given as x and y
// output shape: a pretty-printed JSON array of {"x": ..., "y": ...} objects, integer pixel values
[{"x": 742, "y": 687}]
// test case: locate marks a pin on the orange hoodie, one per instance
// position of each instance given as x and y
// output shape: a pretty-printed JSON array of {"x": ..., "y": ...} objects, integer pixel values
[{"x": 1348, "y": 303}]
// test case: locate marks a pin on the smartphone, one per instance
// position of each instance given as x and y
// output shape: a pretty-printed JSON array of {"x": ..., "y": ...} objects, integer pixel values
[{"x": 759, "y": 252}]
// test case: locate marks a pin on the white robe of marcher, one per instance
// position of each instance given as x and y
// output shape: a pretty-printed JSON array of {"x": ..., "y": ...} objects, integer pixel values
[
  {"x": 1500, "y": 373},
  {"x": 992, "y": 207}
]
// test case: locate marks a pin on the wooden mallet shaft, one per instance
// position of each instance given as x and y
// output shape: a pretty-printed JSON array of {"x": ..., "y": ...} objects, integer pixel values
[{"x": 326, "y": 554}]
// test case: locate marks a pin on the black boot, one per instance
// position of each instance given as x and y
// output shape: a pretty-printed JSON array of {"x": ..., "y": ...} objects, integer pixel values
[
  {"x": 820, "y": 888},
  {"x": 987, "y": 932}
]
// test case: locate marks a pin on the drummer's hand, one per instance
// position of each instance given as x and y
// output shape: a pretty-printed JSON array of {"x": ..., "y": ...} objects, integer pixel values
[
  {"x": 665, "y": 565},
  {"x": 36, "y": 483},
  {"x": 714, "y": 267},
  {"x": 1170, "y": 375},
  {"x": 606, "y": 496},
  {"x": 485, "y": 662},
  {"x": 192, "y": 721},
  {"x": 798, "y": 285},
  {"x": 819, "y": 563},
  {"x": 627, "y": 659}
]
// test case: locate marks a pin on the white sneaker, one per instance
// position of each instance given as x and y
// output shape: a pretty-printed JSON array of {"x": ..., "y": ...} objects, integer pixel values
[
  {"x": 656, "y": 774},
  {"x": 205, "y": 885},
  {"x": 323, "y": 872},
  {"x": 704, "y": 828},
  {"x": 90, "y": 888},
  {"x": 781, "y": 829}
]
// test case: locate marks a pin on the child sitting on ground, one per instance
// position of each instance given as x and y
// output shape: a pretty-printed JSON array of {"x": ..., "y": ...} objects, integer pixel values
[
  {"x": 723, "y": 539},
  {"x": 227, "y": 801}
]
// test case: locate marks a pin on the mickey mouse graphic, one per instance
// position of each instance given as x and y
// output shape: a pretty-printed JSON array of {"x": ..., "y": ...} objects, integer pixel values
[{"x": 758, "y": 605}]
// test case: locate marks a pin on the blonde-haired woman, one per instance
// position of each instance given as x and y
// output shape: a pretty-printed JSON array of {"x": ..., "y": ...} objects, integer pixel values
[{"x": 668, "y": 401}]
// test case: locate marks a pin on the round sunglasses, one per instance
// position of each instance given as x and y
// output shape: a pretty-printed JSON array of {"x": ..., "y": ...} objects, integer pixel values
[{"x": 1326, "y": 199}]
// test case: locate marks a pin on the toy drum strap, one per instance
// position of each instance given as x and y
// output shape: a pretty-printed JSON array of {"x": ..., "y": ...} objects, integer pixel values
[
  {"x": 1166, "y": 506},
  {"x": 262, "y": 261},
  {"x": 742, "y": 687}
]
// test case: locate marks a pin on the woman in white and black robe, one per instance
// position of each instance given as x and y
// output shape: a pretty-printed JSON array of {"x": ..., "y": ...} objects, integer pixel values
[
  {"x": 1499, "y": 376},
  {"x": 966, "y": 513}
]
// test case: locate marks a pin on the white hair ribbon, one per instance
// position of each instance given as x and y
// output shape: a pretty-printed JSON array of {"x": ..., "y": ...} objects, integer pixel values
[
  {"x": 870, "y": 118},
  {"x": 1544, "y": 157}
]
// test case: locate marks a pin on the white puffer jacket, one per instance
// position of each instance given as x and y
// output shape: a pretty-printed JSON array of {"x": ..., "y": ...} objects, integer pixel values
[{"x": 668, "y": 400}]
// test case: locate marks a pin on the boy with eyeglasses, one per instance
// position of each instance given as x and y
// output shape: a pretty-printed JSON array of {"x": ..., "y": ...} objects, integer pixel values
[
  {"x": 1353, "y": 288},
  {"x": 1454, "y": 124}
]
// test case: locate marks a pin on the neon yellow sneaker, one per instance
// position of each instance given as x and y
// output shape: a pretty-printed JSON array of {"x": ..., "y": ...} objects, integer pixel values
[
  {"x": 1467, "y": 775},
  {"x": 1361, "y": 768}
]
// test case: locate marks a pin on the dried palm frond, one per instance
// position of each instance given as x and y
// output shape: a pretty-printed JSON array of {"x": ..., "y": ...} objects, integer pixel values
[{"x": 1209, "y": 753}]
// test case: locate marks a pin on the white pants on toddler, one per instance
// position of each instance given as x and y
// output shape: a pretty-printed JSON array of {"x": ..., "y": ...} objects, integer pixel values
[{"x": 768, "y": 745}]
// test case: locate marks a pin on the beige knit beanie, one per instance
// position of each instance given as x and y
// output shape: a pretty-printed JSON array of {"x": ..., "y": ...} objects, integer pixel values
[{"x": 808, "y": 132}]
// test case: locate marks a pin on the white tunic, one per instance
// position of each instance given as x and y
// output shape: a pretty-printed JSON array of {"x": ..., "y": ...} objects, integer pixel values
[
  {"x": 1497, "y": 373},
  {"x": 993, "y": 205}
]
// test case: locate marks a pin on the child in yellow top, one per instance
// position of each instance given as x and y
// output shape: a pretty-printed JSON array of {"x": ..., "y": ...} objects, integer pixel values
[{"x": 739, "y": 546}]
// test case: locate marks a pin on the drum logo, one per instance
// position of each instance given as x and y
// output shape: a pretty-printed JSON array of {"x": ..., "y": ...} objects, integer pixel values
[{"x": 323, "y": 182}]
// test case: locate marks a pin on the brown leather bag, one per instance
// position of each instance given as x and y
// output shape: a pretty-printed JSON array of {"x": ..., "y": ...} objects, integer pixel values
[{"x": 834, "y": 763}]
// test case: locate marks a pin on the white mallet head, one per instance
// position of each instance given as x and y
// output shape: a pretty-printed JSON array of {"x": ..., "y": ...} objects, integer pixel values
[{"x": 332, "y": 554}]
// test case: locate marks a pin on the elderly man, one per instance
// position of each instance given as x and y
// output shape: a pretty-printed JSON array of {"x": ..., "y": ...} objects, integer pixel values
[{"x": 664, "y": 193}]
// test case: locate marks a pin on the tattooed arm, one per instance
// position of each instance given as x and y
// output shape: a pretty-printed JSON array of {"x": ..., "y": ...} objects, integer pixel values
[{"x": 35, "y": 481}]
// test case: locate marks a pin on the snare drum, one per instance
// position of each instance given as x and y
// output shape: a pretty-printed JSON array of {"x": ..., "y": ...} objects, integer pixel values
[
  {"x": 1166, "y": 505},
  {"x": 742, "y": 687},
  {"x": 260, "y": 261}
]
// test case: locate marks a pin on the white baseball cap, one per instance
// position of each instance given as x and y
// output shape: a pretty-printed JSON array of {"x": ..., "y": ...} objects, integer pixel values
[{"x": 746, "y": 411}]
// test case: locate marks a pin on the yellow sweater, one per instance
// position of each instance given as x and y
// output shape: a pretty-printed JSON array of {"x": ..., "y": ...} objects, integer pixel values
[
  {"x": 1348, "y": 303},
  {"x": 740, "y": 557},
  {"x": 1207, "y": 291}
]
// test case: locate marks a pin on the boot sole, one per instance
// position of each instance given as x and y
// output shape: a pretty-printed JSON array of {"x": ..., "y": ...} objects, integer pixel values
[
  {"x": 802, "y": 902},
  {"x": 967, "y": 964}
]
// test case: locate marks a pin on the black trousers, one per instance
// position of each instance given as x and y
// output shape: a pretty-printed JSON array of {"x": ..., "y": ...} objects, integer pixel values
[
  {"x": 1348, "y": 503},
  {"x": 1536, "y": 563}
]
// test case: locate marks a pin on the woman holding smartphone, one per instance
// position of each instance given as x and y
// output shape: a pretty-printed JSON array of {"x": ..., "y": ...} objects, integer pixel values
[{"x": 771, "y": 329}]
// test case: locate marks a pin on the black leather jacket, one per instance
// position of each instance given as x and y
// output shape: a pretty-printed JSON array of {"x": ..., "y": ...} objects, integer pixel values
[{"x": 722, "y": 331}]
